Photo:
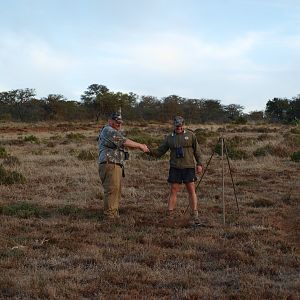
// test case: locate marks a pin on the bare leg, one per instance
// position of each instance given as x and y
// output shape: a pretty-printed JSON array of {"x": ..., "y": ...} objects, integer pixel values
[
  {"x": 175, "y": 188},
  {"x": 192, "y": 195}
]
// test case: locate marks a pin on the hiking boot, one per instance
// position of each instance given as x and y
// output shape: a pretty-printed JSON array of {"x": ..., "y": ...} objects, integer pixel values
[
  {"x": 170, "y": 215},
  {"x": 194, "y": 220},
  {"x": 111, "y": 216}
]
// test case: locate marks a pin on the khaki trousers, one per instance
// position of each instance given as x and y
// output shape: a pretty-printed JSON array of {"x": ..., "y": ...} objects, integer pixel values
[{"x": 110, "y": 175}]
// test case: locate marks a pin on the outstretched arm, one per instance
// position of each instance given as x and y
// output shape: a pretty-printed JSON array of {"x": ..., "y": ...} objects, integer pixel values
[
  {"x": 161, "y": 150},
  {"x": 132, "y": 144}
]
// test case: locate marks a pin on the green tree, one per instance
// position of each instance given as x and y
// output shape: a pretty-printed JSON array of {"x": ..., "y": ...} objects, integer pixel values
[
  {"x": 293, "y": 112},
  {"x": 233, "y": 112},
  {"x": 15, "y": 102},
  {"x": 149, "y": 108},
  {"x": 256, "y": 115},
  {"x": 211, "y": 111},
  {"x": 94, "y": 98},
  {"x": 191, "y": 109},
  {"x": 172, "y": 106},
  {"x": 276, "y": 109},
  {"x": 54, "y": 106}
]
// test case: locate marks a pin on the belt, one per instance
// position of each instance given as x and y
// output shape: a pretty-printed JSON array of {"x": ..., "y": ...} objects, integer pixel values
[{"x": 111, "y": 163}]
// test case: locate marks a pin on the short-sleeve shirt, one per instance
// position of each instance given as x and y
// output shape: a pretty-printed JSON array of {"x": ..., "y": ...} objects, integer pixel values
[{"x": 111, "y": 145}]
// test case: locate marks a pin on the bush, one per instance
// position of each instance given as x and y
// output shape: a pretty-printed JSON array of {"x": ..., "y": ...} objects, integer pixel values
[
  {"x": 87, "y": 155},
  {"x": 32, "y": 139},
  {"x": 240, "y": 121},
  {"x": 293, "y": 140},
  {"x": 144, "y": 138},
  {"x": 22, "y": 210},
  {"x": 262, "y": 203},
  {"x": 11, "y": 161},
  {"x": 295, "y": 156},
  {"x": 5, "y": 117},
  {"x": 233, "y": 153},
  {"x": 263, "y": 137},
  {"x": 295, "y": 130},
  {"x": 295, "y": 122},
  {"x": 262, "y": 151},
  {"x": 202, "y": 135},
  {"x": 75, "y": 136},
  {"x": 50, "y": 145},
  {"x": 134, "y": 131},
  {"x": 3, "y": 153},
  {"x": 238, "y": 141},
  {"x": 269, "y": 149},
  {"x": 10, "y": 177}
]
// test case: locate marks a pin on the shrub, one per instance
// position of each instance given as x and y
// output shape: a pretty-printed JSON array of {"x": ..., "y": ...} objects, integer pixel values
[
  {"x": 73, "y": 151},
  {"x": 75, "y": 136},
  {"x": 68, "y": 210},
  {"x": 3, "y": 153},
  {"x": 134, "y": 131},
  {"x": 237, "y": 141},
  {"x": 11, "y": 161},
  {"x": 32, "y": 139},
  {"x": 240, "y": 121},
  {"x": 145, "y": 138},
  {"x": 87, "y": 155},
  {"x": 295, "y": 130},
  {"x": 262, "y": 203},
  {"x": 22, "y": 210},
  {"x": 5, "y": 117},
  {"x": 263, "y": 151},
  {"x": 10, "y": 177},
  {"x": 295, "y": 122},
  {"x": 263, "y": 137},
  {"x": 50, "y": 145},
  {"x": 295, "y": 156},
  {"x": 293, "y": 140},
  {"x": 55, "y": 137},
  {"x": 202, "y": 135},
  {"x": 233, "y": 153},
  {"x": 269, "y": 149}
]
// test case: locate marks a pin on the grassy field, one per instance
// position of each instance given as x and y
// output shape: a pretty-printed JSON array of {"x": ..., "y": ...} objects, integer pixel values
[{"x": 54, "y": 243}]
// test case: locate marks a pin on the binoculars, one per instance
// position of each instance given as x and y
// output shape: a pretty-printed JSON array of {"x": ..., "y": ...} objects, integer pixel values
[
  {"x": 179, "y": 152},
  {"x": 126, "y": 155}
]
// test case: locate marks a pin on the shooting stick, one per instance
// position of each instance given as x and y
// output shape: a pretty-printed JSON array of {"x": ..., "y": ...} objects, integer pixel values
[{"x": 223, "y": 147}]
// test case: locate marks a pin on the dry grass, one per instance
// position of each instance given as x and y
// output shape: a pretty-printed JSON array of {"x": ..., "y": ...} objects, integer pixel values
[{"x": 54, "y": 243}]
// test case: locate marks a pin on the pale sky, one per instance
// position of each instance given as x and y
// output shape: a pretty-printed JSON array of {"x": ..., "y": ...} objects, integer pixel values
[{"x": 238, "y": 51}]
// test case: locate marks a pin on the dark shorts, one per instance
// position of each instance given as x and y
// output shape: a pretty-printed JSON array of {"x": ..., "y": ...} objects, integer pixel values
[{"x": 182, "y": 175}]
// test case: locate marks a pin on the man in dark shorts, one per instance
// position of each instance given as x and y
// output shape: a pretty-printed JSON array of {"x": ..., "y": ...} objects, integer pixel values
[{"x": 185, "y": 163}]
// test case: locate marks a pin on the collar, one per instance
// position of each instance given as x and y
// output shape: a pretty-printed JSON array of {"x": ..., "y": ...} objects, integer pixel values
[{"x": 174, "y": 133}]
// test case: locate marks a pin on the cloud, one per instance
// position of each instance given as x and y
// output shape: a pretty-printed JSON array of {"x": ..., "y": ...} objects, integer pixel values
[
  {"x": 27, "y": 61},
  {"x": 180, "y": 53},
  {"x": 47, "y": 59},
  {"x": 293, "y": 42},
  {"x": 33, "y": 52}
]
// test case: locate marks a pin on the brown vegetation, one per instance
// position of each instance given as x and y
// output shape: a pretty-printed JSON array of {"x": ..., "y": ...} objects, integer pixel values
[{"x": 54, "y": 243}]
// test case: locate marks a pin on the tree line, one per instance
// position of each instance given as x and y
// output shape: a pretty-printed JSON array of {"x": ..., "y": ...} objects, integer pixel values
[{"x": 97, "y": 101}]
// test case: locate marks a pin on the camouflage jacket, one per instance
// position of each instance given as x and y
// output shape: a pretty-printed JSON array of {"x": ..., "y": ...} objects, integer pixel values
[
  {"x": 111, "y": 145},
  {"x": 188, "y": 141}
]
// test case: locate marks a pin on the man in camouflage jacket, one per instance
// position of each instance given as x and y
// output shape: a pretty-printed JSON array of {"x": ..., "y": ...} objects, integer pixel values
[{"x": 112, "y": 157}]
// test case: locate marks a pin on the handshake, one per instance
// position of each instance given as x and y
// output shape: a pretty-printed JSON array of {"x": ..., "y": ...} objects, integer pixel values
[
  {"x": 144, "y": 148},
  {"x": 135, "y": 145}
]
